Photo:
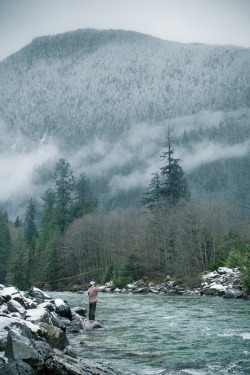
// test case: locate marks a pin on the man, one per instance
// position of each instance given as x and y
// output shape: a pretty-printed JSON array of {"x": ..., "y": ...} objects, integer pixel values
[{"x": 92, "y": 293}]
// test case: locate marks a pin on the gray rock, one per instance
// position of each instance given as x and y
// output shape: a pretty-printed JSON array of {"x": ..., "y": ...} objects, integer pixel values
[
  {"x": 16, "y": 325},
  {"x": 19, "y": 347},
  {"x": 16, "y": 368},
  {"x": 233, "y": 293},
  {"x": 80, "y": 311},
  {"x": 75, "y": 325},
  {"x": 14, "y": 306},
  {"x": 57, "y": 338},
  {"x": 70, "y": 352},
  {"x": 62, "y": 308},
  {"x": 8, "y": 292},
  {"x": 38, "y": 295},
  {"x": 73, "y": 366},
  {"x": 88, "y": 325}
]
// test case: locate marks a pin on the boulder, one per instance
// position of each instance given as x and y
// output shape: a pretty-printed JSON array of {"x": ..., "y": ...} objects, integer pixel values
[
  {"x": 70, "y": 352},
  {"x": 38, "y": 295},
  {"x": 75, "y": 366},
  {"x": 8, "y": 292},
  {"x": 34, "y": 346},
  {"x": 41, "y": 314},
  {"x": 16, "y": 367},
  {"x": 17, "y": 326},
  {"x": 80, "y": 311},
  {"x": 57, "y": 338},
  {"x": 19, "y": 347},
  {"x": 233, "y": 293},
  {"x": 27, "y": 303},
  {"x": 14, "y": 306},
  {"x": 62, "y": 308},
  {"x": 76, "y": 324},
  {"x": 88, "y": 325},
  {"x": 223, "y": 282},
  {"x": 3, "y": 309}
]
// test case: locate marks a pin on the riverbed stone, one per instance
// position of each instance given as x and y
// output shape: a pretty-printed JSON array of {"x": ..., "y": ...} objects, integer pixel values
[
  {"x": 88, "y": 325},
  {"x": 75, "y": 325},
  {"x": 16, "y": 307},
  {"x": 62, "y": 308},
  {"x": 16, "y": 367},
  {"x": 38, "y": 295},
  {"x": 57, "y": 338},
  {"x": 19, "y": 347},
  {"x": 80, "y": 311}
]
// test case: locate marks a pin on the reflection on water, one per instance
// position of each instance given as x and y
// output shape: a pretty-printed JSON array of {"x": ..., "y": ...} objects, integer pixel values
[{"x": 167, "y": 335}]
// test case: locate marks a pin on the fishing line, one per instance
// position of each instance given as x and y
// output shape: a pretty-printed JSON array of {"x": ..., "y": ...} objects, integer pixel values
[{"x": 53, "y": 281}]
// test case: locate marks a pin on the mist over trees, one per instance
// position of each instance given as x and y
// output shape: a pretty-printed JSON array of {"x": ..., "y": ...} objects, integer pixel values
[
  {"x": 78, "y": 240},
  {"x": 104, "y": 99},
  {"x": 84, "y": 116}
]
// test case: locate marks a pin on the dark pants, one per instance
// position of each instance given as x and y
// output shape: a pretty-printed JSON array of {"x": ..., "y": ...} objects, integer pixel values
[{"x": 92, "y": 308}]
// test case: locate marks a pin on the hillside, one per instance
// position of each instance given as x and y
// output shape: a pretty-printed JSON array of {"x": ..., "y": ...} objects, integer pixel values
[{"x": 106, "y": 98}]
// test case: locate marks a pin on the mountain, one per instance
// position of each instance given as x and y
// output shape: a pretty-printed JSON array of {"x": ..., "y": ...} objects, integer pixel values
[{"x": 105, "y": 99}]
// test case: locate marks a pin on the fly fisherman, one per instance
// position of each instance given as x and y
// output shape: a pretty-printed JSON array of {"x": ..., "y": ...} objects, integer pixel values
[{"x": 93, "y": 296}]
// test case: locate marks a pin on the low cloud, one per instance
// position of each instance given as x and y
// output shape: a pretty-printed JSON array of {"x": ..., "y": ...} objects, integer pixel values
[
  {"x": 207, "y": 152},
  {"x": 16, "y": 170},
  {"x": 128, "y": 162}
]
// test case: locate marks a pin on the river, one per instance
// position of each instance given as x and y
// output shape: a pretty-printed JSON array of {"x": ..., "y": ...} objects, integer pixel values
[{"x": 157, "y": 334}]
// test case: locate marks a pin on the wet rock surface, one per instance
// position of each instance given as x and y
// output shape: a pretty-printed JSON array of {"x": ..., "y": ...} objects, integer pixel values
[
  {"x": 33, "y": 335},
  {"x": 224, "y": 282}
]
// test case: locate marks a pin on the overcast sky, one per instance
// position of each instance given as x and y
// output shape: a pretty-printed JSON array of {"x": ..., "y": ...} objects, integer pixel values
[{"x": 203, "y": 21}]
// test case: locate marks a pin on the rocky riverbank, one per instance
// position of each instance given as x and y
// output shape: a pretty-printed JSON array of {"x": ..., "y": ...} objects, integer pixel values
[
  {"x": 33, "y": 335},
  {"x": 34, "y": 327},
  {"x": 224, "y": 282}
]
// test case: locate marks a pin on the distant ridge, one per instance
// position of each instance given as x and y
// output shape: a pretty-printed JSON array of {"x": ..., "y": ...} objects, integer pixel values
[{"x": 105, "y": 98}]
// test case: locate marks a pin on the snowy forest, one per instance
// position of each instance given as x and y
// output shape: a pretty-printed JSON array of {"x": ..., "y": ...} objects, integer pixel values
[{"x": 133, "y": 160}]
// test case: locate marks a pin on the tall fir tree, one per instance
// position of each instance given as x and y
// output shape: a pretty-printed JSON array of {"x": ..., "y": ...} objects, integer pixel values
[
  {"x": 64, "y": 184},
  {"x": 48, "y": 220},
  {"x": 174, "y": 186},
  {"x": 85, "y": 201},
  {"x": 30, "y": 229},
  {"x": 152, "y": 196},
  {"x": 170, "y": 186}
]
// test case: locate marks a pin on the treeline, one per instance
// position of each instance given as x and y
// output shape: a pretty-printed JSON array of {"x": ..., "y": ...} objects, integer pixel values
[
  {"x": 171, "y": 233},
  {"x": 67, "y": 199},
  {"x": 124, "y": 245}
]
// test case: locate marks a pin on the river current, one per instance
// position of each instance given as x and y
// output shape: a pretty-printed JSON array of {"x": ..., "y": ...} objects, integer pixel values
[{"x": 157, "y": 334}]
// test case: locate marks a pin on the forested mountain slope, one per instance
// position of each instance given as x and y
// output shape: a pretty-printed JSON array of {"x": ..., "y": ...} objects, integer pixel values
[
  {"x": 91, "y": 82},
  {"x": 120, "y": 91}
]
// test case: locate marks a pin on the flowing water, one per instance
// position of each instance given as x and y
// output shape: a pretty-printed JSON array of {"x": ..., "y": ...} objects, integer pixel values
[{"x": 150, "y": 335}]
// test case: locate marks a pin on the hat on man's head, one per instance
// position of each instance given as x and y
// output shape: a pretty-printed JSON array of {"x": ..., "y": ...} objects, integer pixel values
[{"x": 92, "y": 282}]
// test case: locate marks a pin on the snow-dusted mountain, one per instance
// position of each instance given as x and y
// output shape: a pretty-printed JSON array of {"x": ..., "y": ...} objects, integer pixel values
[{"x": 105, "y": 99}]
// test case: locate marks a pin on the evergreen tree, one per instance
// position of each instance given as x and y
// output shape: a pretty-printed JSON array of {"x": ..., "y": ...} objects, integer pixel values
[
  {"x": 17, "y": 222},
  {"x": 48, "y": 220},
  {"x": 64, "y": 183},
  {"x": 153, "y": 194},
  {"x": 174, "y": 185},
  {"x": 85, "y": 201},
  {"x": 171, "y": 186},
  {"x": 30, "y": 229},
  {"x": 5, "y": 246}
]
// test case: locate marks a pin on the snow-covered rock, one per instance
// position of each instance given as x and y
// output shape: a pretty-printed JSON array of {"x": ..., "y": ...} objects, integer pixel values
[
  {"x": 62, "y": 308},
  {"x": 37, "y": 294},
  {"x": 32, "y": 339},
  {"x": 224, "y": 282}
]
